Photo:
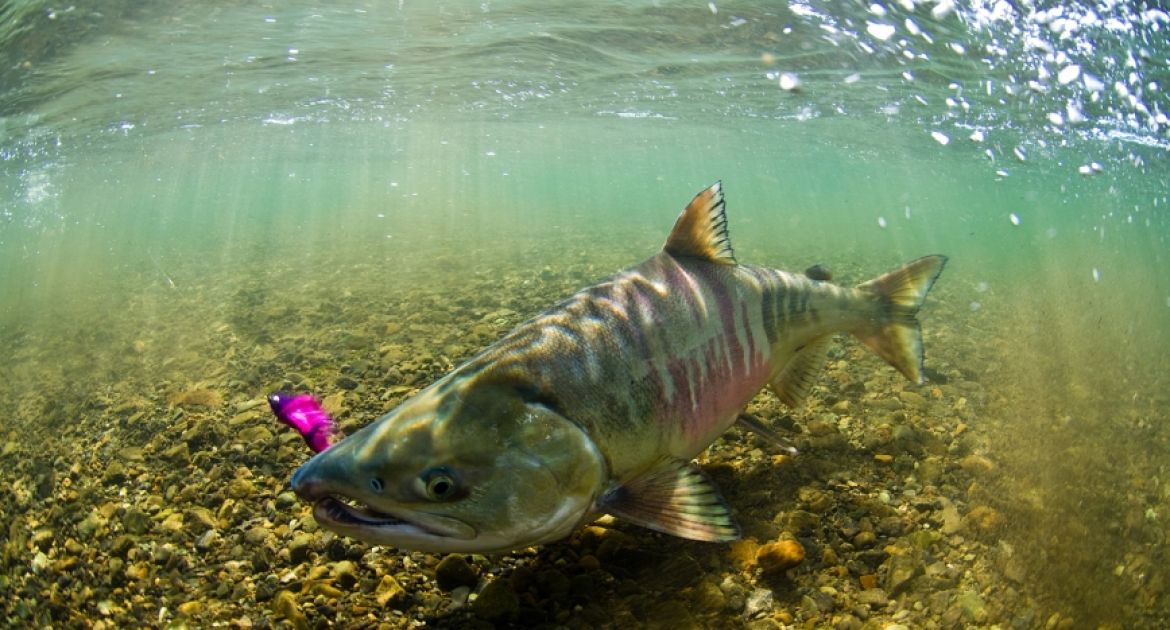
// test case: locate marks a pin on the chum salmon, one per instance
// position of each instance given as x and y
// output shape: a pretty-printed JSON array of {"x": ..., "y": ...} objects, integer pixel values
[{"x": 599, "y": 404}]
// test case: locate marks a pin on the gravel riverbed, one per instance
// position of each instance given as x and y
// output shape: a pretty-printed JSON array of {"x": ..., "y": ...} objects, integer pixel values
[{"x": 147, "y": 485}]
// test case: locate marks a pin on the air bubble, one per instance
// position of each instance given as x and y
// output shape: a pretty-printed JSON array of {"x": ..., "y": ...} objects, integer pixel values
[
  {"x": 1068, "y": 74},
  {"x": 879, "y": 30},
  {"x": 942, "y": 9}
]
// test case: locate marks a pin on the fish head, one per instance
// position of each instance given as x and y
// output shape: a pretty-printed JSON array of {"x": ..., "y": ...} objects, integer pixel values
[{"x": 467, "y": 465}]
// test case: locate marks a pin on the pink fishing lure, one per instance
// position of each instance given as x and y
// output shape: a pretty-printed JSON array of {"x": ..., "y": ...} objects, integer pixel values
[{"x": 303, "y": 413}]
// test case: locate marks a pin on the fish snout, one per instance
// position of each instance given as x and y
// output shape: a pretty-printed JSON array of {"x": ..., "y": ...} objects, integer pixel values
[{"x": 307, "y": 486}]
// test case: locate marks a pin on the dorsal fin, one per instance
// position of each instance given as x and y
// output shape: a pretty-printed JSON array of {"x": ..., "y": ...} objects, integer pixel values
[{"x": 701, "y": 229}]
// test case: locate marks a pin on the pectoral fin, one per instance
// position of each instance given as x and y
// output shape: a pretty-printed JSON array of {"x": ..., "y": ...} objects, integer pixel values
[
  {"x": 757, "y": 426},
  {"x": 674, "y": 497},
  {"x": 796, "y": 378}
]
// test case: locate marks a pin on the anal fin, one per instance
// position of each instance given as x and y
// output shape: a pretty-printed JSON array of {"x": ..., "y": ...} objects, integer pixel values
[
  {"x": 797, "y": 377},
  {"x": 674, "y": 497}
]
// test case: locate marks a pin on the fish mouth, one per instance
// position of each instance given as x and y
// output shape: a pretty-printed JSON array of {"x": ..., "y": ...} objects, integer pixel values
[
  {"x": 332, "y": 510},
  {"x": 365, "y": 522}
]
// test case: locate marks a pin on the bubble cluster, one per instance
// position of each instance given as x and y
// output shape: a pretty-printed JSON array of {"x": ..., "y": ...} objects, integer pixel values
[{"x": 1023, "y": 78}]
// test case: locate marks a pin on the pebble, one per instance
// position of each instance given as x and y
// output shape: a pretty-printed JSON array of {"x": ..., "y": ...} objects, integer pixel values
[
  {"x": 972, "y": 606},
  {"x": 709, "y": 598},
  {"x": 815, "y": 499},
  {"x": 345, "y": 573},
  {"x": 758, "y": 601},
  {"x": 873, "y": 597},
  {"x": 285, "y": 605},
  {"x": 977, "y": 464},
  {"x": 904, "y": 437},
  {"x": 207, "y": 540},
  {"x": 200, "y": 519},
  {"x": 254, "y": 435},
  {"x": 459, "y": 596},
  {"x": 191, "y": 608},
  {"x": 131, "y": 454},
  {"x": 136, "y": 521},
  {"x": 913, "y": 399},
  {"x": 299, "y": 548},
  {"x": 985, "y": 519},
  {"x": 179, "y": 453},
  {"x": 115, "y": 473},
  {"x": 453, "y": 571},
  {"x": 138, "y": 571},
  {"x": 285, "y": 500},
  {"x": 389, "y": 593},
  {"x": 780, "y": 555},
  {"x": 496, "y": 601},
  {"x": 952, "y": 520},
  {"x": 901, "y": 569},
  {"x": 173, "y": 523},
  {"x": 240, "y": 489},
  {"x": 864, "y": 539},
  {"x": 40, "y": 562}
]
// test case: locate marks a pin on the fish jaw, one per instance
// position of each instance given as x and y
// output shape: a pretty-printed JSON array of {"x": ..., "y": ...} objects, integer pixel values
[
  {"x": 512, "y": 473},
  {"x": 335, "y": 508}
]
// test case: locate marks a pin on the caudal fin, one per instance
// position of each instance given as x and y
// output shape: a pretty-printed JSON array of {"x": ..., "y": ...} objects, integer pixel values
[{"x": 894, "y": 333}]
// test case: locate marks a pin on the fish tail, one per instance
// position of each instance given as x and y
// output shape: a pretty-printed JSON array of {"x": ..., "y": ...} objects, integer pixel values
[{"x": 893, "y": 332}]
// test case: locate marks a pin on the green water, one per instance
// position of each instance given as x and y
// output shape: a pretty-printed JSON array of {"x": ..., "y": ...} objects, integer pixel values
[{"x": 242, "y": 198}]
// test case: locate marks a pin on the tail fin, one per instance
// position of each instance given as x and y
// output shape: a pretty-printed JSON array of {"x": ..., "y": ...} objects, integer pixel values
[{"x": 894, "y": 333}]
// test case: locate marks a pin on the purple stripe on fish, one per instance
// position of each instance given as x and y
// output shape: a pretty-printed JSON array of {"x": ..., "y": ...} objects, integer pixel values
[{"x": 684, "y": 284}]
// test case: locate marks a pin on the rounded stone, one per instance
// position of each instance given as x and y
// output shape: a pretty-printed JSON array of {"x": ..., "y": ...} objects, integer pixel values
[
  {"x": 299, "y": 548},
  {"x": 780, "y": 555},
  {"x": 453, "y": 571},
  {"x": 136, "y": 521},
  {"x": 346, "y": 574},
  {"x": 496, "y": 601}
]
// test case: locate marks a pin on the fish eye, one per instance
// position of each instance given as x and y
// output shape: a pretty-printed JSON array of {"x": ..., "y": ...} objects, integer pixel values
[
  {"x": 438, "y": 484},
  {"x": 377, "y": 485}
]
